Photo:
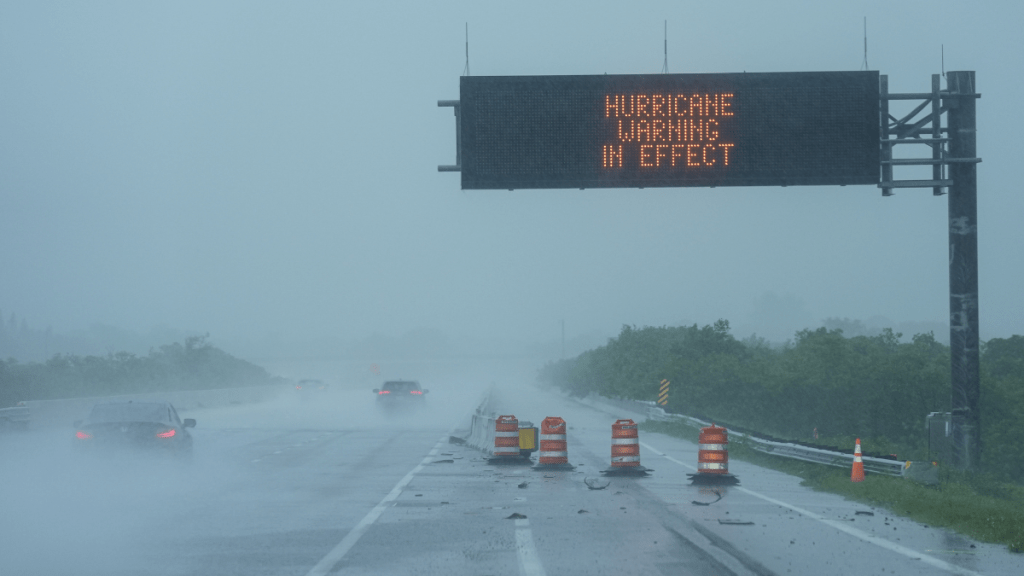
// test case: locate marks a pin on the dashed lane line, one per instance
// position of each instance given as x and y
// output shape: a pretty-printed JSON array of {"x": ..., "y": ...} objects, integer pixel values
[
  {"x": 325, "y": 565},
  {"x": 880, "y": 542},
  {"x": 529, "y": 560}
]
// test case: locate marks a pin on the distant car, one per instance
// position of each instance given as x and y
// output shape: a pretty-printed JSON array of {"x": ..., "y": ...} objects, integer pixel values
[
  {"x": 397, "y": 393},
  {"x": 135, "y": 426},
  {"x": 309, "y": 386}
]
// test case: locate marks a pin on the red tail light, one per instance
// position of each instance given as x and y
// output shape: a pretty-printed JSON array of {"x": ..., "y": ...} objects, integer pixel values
[
  {"x": 385, "y": 392},
  {"x": 166, "y": 434},
  {"x": 82, "y": 435},
  {"x": 416, "y": 392}
]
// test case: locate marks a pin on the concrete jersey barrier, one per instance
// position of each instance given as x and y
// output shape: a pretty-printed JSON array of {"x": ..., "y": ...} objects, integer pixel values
[{"x": 481, "y": 428}]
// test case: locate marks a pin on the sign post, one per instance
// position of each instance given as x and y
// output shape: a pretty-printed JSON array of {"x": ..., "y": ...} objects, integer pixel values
[{"x": 963, "y": 271}]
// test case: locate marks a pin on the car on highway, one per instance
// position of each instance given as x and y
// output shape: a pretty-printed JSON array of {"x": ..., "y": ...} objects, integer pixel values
[
  {"x": 400, "y": 393},
  {"x": 146, "y": 427},
  {"x": 309, "y": 387}
]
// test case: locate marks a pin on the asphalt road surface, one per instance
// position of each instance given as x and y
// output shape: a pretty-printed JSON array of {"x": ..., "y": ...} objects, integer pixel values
[{"x": 327, "y": 485}]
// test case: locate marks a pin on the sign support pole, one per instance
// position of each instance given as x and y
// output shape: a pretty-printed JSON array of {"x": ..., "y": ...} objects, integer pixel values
[
  {"x": 956, "y": 152},
  {"x": 963, "y": 272}
]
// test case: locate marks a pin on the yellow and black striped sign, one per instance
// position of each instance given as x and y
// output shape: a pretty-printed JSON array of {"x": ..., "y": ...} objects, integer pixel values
[{"x": 663, "y": 394}]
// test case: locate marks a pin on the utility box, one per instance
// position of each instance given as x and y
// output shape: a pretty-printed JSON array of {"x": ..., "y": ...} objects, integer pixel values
[
  {"x": 949, "y": 436},
  {"x": 944, "y": 430}
]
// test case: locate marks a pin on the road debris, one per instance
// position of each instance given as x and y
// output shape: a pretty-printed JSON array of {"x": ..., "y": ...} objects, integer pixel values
[
  {"x": 516, "y": 516},
  {"x": 595, "y": 484},
  {"x": 444, "y": 462},
  {"x": 524, "y": 484},
  {"x": 699, "y": 503},
  {"x": 582, "y": 511},
  {"x": 863, "y": 513},
  {"x": 735, "y": 522}
]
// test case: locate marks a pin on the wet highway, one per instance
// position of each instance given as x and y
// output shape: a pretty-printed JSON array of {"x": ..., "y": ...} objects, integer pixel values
[{"x": 330, "y": 486}]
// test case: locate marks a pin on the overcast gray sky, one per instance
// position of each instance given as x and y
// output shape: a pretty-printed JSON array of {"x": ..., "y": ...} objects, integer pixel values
[{"x": 255, "y": 169}]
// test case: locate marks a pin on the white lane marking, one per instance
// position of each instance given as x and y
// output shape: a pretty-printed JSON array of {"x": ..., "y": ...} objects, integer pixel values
[
  {"x": 880, "y": 542},
  {"x": 325, "y": 565},
  {"x": 257, "y": 460},
  {"x": 666, "y": 456},
  {"x": 529, "y": 561}
]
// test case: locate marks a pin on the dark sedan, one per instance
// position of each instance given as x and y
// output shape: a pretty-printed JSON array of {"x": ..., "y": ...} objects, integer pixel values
[
  {"x": 135, "y": 426},
  {"x": 309, "y": 388},
  {"x": 400, "y": 393}
]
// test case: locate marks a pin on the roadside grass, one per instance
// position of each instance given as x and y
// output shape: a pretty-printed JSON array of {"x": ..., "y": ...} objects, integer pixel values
[{"x": 974, "y": 505}]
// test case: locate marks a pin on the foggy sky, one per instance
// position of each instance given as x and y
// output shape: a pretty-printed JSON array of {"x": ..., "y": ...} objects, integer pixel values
[{"x": 267, "y": 172}]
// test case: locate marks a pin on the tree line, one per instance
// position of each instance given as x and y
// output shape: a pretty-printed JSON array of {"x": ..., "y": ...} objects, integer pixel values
[
  {"x": 191, "y": 365},
  {"x": 822, "y": 383}
]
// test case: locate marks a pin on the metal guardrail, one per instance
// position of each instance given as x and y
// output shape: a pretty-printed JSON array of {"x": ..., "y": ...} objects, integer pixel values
[
  {"x": 60, "y": 413},
  {"x": 15, "y": 417},
  {"x": 787, "y": 450}
]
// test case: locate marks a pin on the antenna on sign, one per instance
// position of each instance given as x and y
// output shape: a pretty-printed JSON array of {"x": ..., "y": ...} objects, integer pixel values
[
  {"x": 864, "y": 66},
  {"x": 664, "y": 67},
  {"x": 465, "y": 71}
]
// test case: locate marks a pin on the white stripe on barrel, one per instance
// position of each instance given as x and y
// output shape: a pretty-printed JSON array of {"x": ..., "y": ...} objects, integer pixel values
[
  {"x": 711, "y": 466},
  {"x": 711, "y": 447}
]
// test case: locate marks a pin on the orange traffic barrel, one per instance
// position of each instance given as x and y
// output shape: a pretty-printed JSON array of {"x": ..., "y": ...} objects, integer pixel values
[
  {"x": 625, "y": 450},
  {"x": 506, "y": 440},
  {"x": 713, "y": 456},
  {"x": 554, "y": 451}
]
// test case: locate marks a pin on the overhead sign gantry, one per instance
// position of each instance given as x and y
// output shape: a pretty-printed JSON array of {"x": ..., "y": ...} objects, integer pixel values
[{"x": 762, "y": 129}]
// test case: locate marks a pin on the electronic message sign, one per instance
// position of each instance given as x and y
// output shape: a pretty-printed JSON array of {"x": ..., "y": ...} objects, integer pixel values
[{"x": 636, "y": 131}]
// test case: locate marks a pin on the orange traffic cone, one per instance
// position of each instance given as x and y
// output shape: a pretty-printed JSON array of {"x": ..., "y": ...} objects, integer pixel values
[{"x": 857, "y": 475}]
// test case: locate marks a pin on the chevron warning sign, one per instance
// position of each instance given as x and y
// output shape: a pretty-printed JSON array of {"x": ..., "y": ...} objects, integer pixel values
[{"x": 663, "y": 393}]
